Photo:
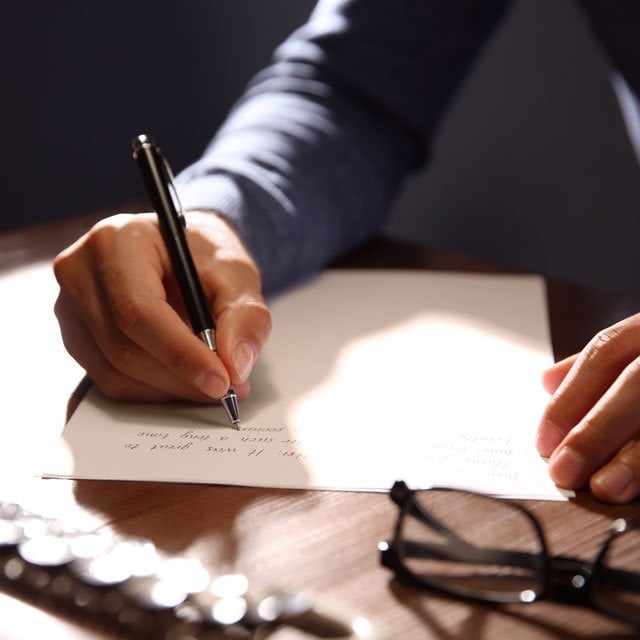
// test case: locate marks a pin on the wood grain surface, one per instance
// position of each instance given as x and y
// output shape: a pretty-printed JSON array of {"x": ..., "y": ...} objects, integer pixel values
[{"x": 320, "y": 542}]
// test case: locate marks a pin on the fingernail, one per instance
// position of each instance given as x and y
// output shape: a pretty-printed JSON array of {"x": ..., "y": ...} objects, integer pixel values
[
  {"x": 567, "y": 468},
  {"x": 614, "y": 480},
  {"x": 244, "y": 355},
  {"x": 211, "y": 384},
  {"x": 548, "y": 438}
]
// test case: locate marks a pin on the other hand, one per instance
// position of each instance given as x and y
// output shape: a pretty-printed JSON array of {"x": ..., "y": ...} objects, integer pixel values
[
  {"x": 122, "y": 317},
  {"x": 590, "y": 429}
]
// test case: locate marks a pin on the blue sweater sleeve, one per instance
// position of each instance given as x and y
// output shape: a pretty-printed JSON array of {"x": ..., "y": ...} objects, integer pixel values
[{"x": 310, "y": 158}]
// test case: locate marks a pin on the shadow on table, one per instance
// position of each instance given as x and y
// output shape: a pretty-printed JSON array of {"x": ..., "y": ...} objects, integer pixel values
[
  {"x": 174, "y": 515},
  {"x": 537, "y": 620}
]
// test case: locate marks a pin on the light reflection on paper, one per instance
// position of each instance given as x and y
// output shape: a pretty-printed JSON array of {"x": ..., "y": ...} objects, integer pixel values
[{"x": 367, "y": 377}]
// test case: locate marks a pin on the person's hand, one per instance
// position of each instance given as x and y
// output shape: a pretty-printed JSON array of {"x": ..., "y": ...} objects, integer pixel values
[
  {"x": 590, "y": 429},
  {"x": 122, "y": 317}
]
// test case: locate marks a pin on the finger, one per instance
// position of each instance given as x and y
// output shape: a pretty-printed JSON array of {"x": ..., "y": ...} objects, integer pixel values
[
  {"x": 134, "y": 291},
  {"x": 244, "y": 324},
  {"x": 113, "y": 384},
  {"x": 234, "y": 285},
  {"x": 605, "y": 430},
  {"x": 554, "y": 375},
  {"x": 592, "y": 373},
  {"x": 619, "y": 480},
  {"x": 118, "y": 281},
  {"x": 160, "y": 338},
  {"x": 548, "y": 435},
  {"x": 95, "y": 276}
]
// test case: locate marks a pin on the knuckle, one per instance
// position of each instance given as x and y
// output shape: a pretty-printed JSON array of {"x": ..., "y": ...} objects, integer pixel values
[
  {"x": 124, "y": 356},
  {"x": 70, "y": 344},
  {"x": 99, "y": 239},
  {"x": 604, "y": 346},
  {"x": 67, "y": 271},
  {"x": 630, "y": 455},
  {"x": 60, "y": 263},
  {"x": 129, "y": 313},
  {"x": 108, "y": 237},
  {"x": 232, "y": 264},
  {"x": 594, "y": 435},
  {"x": 260, "y": 317},
  {"x": 59, "y": 310},
  {"x": 113, "y": 385},
  {"x": 111, "y": 382},
  {"x": 179, "y": 360},
  {"x": 632, "y": 371}
]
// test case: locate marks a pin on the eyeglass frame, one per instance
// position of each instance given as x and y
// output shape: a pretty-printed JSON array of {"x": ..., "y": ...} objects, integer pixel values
[{"x": 563, "y": 579}]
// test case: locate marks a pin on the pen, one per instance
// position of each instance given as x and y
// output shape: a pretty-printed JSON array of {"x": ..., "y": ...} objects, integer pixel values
[{"x": 159, "y": 181}]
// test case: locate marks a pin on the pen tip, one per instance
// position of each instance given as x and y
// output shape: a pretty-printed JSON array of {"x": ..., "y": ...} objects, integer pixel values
[{"x": 230, "y": 404}]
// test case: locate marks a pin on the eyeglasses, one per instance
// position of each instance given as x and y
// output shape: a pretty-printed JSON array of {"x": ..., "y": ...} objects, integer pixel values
[{"x": 442, "y": 542}]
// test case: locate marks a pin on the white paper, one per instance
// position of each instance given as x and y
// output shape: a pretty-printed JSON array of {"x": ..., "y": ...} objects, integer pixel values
[{"x": 368, "y": 377}]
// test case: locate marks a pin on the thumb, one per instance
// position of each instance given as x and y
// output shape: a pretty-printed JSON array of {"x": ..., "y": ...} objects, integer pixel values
[
  {"x": 233, "y": 284},
  {"x": 243, "y": 329}
]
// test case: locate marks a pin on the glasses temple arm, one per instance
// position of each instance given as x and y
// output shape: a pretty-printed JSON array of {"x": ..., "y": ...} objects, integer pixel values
[{"x": 458, "y": 550}]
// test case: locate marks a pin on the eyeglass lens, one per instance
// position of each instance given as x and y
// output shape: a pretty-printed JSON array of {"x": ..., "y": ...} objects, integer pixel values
[
  {"x": 616, "y": 587},
  {"x": 472, "y": 545}
]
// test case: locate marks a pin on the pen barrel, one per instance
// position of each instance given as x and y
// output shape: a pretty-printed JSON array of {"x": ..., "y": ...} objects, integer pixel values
[
  {"x": 159, "y": 181},
  {"x": 187, "y": 277}
]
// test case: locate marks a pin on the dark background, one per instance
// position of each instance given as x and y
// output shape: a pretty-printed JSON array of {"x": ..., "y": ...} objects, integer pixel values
[
  {"x": 532, "y": 167},
  {"x": 82, "y": 79}
]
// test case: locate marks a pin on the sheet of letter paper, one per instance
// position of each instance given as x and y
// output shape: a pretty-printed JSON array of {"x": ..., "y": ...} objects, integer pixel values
[{"x": 368, "y": 377}]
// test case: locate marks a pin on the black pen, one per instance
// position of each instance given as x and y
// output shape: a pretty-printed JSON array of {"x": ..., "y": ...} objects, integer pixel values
[{"x": 158, "y": 178}]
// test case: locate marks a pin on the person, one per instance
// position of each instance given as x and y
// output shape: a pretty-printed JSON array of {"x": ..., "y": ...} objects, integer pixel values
[{"x": 305, "y": 167}]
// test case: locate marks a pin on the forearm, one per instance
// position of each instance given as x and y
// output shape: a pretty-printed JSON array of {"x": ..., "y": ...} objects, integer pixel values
[
  {"x": 310, "y": 159},
  {"x": 299, "y": 188}
]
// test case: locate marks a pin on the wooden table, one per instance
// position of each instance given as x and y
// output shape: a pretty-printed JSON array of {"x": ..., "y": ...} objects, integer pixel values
[{"x": 321, "y": 542}]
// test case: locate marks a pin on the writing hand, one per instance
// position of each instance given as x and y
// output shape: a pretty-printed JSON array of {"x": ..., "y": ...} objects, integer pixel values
[
  {"x": 591, "y": 427},
  {"x": 122, "y": 317}
]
